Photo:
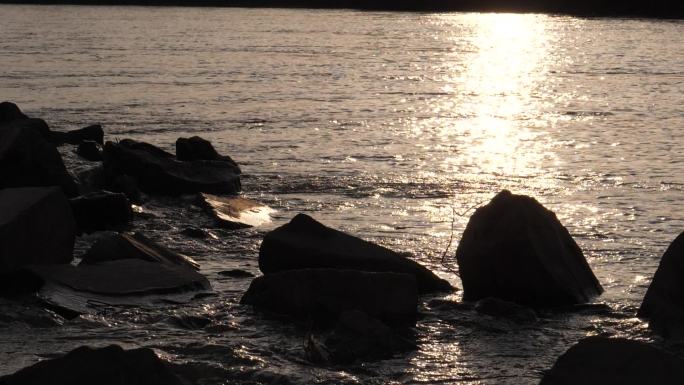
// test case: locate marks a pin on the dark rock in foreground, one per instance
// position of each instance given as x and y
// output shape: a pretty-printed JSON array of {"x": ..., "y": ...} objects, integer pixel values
[
  {"x": 515, "y": 249},
  {"x": 136, "y": 246},
  {"x": 10, "y": 112},
  {"x": 93, "y": 133},
  {"x": 102, "y": 210},
  {"x": 618, "y": 361},
  {"x": 36, "y": 227},
  {"x": 234, "y": 212},
  {"x": 323, "y": 294},
  {"x": 89, "y": 150},
  {"x": 196, "y": 148},
  {"x": 111, "y": 365},
  {"x": 306, "y": 243},
  {"x": 28, "y": 160},
  {"x": 157, "y": 172},
  {"x": 663, "y": 303}
]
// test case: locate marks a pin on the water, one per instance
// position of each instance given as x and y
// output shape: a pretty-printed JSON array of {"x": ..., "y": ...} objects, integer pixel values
[{"x": 380, "y": 124}]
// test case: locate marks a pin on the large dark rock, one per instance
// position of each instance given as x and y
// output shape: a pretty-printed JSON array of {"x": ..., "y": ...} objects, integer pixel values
[
  {"x": 101, "y": 210},
  {"x": 36, "y": 227},
  {"x": 235, "y": 212},
  {"x": 110, "y": 365},
  {"x": 10, "y": 112},
  {"x": 196, "y": 148},
  {"x": 27, "y": 159},
  {"x": 305, "y": 243},
  {"x": 515, "y": 249},
  {"x": 323, "y": 294},
  {"x": 157, "y": 172},
  {"x": 89, "y": 150},
  {"x": 663, "y": 303},
  {"x": 93, "y": 133},
  {"x": 136, "y": 246},
  {"x": 615, "y": 361}
]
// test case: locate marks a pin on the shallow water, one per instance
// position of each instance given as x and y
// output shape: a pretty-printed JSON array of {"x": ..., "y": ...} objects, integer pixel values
[{"x": 380, "y": 124}]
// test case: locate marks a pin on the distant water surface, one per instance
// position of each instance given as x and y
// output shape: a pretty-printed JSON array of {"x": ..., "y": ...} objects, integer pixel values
[{"x": 380, "y": 124}]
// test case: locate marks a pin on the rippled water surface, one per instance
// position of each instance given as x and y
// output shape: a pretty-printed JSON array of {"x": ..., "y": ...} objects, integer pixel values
[{"x": 386, "y": 125}]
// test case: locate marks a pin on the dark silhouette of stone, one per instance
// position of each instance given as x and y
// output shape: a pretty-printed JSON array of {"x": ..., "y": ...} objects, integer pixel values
[
  {"x": 36, "y": 227},
  {"x": 89, "y": 150},
  {"x": 93, "y": 133},
  {"x": 323, "y": 294},
  {"x": 515, "y": 249},
  {"x": 195, "y": 232},
  {"x": 663, "y": 303},
  {"x": 196, "y": 148},
  {"x": 235, "y": 212},
  {"x": 136, "y": 246},
  {"x": 157, "y": 172},
  {"x": 615, "y": 361},
  {"x": 127, "y": 185},
  {"x": 305, "y": 243},
  {"x": 27, "y": 160},
  {"x": 110, "y": 365},
  {"x": 10, "y": 112},
  {"x": 503, "y": 309},
  {"x": 91, "y": 180},
  {"x": 236, "y": 273},
  {"x": 101, "y": 210}
]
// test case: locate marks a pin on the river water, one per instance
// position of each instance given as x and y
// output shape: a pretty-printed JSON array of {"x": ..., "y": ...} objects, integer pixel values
[{"x": 386, "y": 125}]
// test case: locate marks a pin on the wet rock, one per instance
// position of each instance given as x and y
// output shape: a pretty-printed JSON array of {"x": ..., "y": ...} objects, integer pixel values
[
  {"x": 91, "y": 180},
  {"x": 136, "y": 246},
  {"x": 91, "y": 133},
  {"x": 234, "y": 212},
  {"x": 110, "y": 365},
  {"x": 28, "y": 160},
  {"x": 196, "y": 148},
  {"x": 129, "y": 186},
  {"x": 236, "y": 273},
  {"x": 499, "y": 308},
  {"x": 10, "y": 112},
  {"x": 102, "y": 210},
  {"x": 89, "y": 150},
  {"x": 306, "y": 243},
  {"x": 36, "y": 227},
  {"x": 190, "y": 322},
  {"x": 157, "y": 172},
  {"x": 195, "y": 232},
  {"x": 663, "y": 303},
  {"x": 515, "y": 249},
  {"x": 618, "y": 361},
  {"x": 323, "y": 294}
]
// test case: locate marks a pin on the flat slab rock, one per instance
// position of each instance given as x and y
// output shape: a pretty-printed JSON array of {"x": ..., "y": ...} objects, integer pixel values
[{"x": 237, "y": 212}]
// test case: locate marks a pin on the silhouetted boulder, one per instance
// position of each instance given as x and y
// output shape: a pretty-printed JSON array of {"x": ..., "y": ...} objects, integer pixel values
[
  {"x": 157, "y": 172},
  {"x": 127, "y": 185},
  {"x": 136, "y": 246},
  {"x": 235, "y": 212},
  {"x": 89, "y": 150},
  {"x": 28, "y": 160},
  {"x": 36, "y": 227},
  {"x": 93, "y": 133},
  {"x": 10, "y": 112},
  {"x": 515, "y": 249},
  {"x": 110, "y": 365},
  {"x": 101, "y": 210},
  {"x": 323, "y": 294},
  {"x": 663, "y": 303},
  {"x": 615, "y": 361},
  {"x": 196, "y": 148},
  {"x": 305, "y": 243}
]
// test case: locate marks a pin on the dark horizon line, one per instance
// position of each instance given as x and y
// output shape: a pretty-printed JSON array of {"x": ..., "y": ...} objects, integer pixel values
[{"x": 660, "y": 9}]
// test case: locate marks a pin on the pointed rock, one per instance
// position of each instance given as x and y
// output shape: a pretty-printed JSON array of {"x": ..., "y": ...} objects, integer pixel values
[{"x": 196, "y": 148}]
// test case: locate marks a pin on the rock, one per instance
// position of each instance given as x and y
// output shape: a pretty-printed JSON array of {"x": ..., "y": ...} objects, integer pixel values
[
  {"x": 236, "y": 273},
  {"x": 196, "y": 148},
  {"x": 136, "y": 246},
  {"x": 91, "y": 133},
  {"x": 91, "y": 180},
  {"x": 10, "y": 112},
  {"x": 27, "y": 160},
  {"x": 36, "y": 227},
  {"x": 515, "y": 249},
  {"x": 156, "y": 172},
  {"x": 358, "y": 337},
  {"x": 110, "y": 365},
  {"x": 499, "y": 308},
  {"x": 89, "y": 150},
  {"x": 129, "y": 186},
  {"x": 323, "y": 294},
  {"x": 305, "y": 243},
  {"x": 195, "y": 232},
  {"x": 101, "y": 210},
  {"x": 663, "y": 303},
  {"x": 235, "y": 212},
  {"x": 615, "y": 361}
]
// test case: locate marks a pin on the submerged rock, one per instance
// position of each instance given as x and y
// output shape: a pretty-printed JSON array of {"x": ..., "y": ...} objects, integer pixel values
[
  {"x": 157, "y": 172},
  {"x": 28, "y": 160},
  {"x": 110, "y": 365},
  {"x": 89, "y": 150},
  {"x": 136, "y": 246},
  {"x": 499, "y": 308},
  {"x": 196, "y": 148},
  {"x": 236, "y": 273},
  {"x": 305, "y": 243},
  {"x": 36, "y": 227},
  {"x": 91, "y": 133},
  {"x": 515, "y": 249},
  {"x": 101, "y": 210},
  {"x": 235, "y": 212},
  {"x": 663, "y": 303},
  {"x": 615, "y": 361},
  {"x": 323, "y": 294}
]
